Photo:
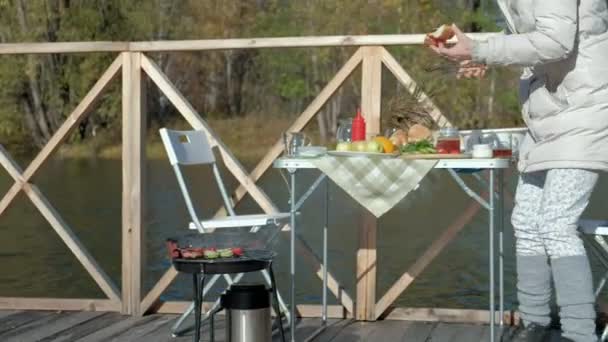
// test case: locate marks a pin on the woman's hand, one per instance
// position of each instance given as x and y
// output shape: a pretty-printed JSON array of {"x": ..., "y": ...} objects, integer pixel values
[
  {"x": 461, "y": 51},
  {"x": 468, "y": 69}
]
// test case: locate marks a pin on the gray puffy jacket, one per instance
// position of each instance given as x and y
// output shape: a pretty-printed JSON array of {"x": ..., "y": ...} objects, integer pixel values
[{"x": 563, "y": 47}]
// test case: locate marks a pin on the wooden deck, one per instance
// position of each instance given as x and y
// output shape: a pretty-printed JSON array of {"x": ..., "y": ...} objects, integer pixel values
[{"x": 25, "y": 326}]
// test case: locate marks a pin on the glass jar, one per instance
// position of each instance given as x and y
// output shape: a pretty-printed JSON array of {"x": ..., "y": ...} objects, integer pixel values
[
  {"x": 448, "y": 141},
  {"x": 344, "y": 132}
]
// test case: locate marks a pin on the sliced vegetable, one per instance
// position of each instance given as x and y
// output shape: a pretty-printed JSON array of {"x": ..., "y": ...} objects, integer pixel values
[
  {"x": 211, "y": 254},
  {"x": 225, "y": 253}
]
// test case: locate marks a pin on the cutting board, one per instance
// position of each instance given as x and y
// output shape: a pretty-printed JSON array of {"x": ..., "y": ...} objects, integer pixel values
[{"x": 435, "y": 156}]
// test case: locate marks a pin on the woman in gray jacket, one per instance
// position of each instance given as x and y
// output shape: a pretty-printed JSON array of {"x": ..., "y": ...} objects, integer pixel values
[{"x": 563, "y": 48}]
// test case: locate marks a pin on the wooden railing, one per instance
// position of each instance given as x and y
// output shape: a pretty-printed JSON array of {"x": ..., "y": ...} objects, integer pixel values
[{"x": 133, "y": 62}]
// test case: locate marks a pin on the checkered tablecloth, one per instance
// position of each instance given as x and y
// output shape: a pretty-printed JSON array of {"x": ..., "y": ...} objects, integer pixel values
[{"x": 378, "y": 184}]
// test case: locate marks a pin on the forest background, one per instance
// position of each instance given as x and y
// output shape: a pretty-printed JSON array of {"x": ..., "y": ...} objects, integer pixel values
[{"x": 248, "y": 96}]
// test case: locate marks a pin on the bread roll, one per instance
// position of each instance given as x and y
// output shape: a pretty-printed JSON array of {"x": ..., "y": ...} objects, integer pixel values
[
  {"x": 441, "y": 35},
  {"x": 417, "y": 133},
  {"x": 399, "y": 137}
]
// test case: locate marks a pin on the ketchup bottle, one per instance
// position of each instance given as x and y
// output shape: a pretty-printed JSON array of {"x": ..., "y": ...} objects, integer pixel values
[{"x": 358, "y": 130}]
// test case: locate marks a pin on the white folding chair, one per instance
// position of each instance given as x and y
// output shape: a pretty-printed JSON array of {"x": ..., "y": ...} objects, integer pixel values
[
  {"x": 594, "y": 233},
  {"x": 193, "y": 148}
]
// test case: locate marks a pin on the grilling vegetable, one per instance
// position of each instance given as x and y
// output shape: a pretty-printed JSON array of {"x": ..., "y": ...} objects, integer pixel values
[
  {"x": 225, "y": 253},
  {"x": 211, "y": 254}
]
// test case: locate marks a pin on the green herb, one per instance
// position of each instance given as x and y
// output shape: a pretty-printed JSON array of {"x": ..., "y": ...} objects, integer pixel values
[{"x": 422, "y": 147}]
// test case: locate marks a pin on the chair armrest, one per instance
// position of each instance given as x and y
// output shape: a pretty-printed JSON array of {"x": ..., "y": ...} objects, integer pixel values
[
  {"x": 593, "y": 227},
  {"x": 243, "y": 221}
]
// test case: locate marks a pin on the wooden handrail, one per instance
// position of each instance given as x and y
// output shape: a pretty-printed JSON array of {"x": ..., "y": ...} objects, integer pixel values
[
  {"x": 219, "y": 44},
  {"x": 371, "y": 56}
]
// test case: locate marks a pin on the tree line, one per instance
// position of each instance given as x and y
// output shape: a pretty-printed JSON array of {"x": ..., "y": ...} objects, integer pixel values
[{"x": 38, "y": 91}]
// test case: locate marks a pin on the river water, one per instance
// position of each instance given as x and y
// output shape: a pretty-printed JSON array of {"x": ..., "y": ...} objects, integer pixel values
[{"x": 87, "y": 193}]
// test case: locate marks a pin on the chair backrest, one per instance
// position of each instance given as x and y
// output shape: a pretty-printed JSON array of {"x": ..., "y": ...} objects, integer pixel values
[
  {"x": 192, "y": 148},
  {"x": 187, "y": 147}
]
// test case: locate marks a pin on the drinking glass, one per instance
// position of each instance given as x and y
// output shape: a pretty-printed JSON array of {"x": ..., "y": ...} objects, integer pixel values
[
  {"x": 501, "y": 143},
  {"x": 345, "y": 129},
  {"x": 293, "y": 141}
]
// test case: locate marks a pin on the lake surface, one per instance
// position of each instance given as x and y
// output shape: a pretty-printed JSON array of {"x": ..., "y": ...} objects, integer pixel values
[{"x": 87, "y": 193}]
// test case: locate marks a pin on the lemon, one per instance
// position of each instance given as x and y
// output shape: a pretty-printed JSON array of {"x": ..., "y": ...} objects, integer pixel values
[{"x": 387, "y": 145}]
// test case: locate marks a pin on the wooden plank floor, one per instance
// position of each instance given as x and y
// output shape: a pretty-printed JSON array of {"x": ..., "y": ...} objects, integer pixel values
[{"x": 46, "y": 326}]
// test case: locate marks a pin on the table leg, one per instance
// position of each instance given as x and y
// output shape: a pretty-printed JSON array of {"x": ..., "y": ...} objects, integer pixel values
[
  {"x": 501, "y": 250},
  {"x": 292, "y": 247},
  {"x": 275, "y": 300},
  {"x": 491, "y": 253},
  {"x": 326, "y": 223}
]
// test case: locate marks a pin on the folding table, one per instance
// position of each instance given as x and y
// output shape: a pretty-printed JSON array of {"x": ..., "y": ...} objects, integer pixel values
[{"x": 494, "y": 206}]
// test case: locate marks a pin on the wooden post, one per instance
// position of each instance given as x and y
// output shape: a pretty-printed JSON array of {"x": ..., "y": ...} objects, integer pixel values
[
  {"x": 371, "y": 91},
  {"x": 133, "y": 181}
]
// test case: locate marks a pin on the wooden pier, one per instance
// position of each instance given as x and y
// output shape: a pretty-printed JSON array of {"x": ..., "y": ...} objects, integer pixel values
[
  {"x": 47, "y": 326},
  {"x": 92, "y": 326}
]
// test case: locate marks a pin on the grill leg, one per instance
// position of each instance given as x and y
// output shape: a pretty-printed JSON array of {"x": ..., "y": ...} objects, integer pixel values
[
  {"x": 198, "y": 283},
  {"x": 277, "y": 307},
  {"x": 211, "y": 328}
]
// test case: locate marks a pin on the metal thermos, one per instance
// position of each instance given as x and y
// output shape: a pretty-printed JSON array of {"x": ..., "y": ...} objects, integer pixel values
[{"x": 248, "y": 316}]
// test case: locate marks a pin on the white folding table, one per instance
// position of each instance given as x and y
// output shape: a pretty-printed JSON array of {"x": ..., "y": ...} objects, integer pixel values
[{"x": 494, "y": 206}]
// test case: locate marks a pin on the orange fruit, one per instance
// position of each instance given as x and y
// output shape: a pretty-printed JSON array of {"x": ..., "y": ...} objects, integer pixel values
[{"x": 387, "y": 145}]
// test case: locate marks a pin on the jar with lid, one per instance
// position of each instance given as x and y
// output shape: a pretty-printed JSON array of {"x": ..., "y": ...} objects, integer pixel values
[{"x": 448, "y": 140}]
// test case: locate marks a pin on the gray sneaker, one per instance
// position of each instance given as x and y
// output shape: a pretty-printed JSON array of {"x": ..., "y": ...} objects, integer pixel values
[{"x": 530, "y": 333}]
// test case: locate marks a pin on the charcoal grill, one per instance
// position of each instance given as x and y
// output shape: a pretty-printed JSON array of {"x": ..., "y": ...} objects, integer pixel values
[{"x": 252, "y": 260}]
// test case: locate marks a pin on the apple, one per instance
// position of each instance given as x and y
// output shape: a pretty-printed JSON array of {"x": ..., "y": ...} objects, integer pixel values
[
  {"x": 374, "y": 146},
  {"x": 343, "y": 146},
  {"x": 359, "y": 146}
]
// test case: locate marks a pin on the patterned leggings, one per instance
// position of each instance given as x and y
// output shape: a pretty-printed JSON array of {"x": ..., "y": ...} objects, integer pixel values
[{"x": 548, "y": 205}]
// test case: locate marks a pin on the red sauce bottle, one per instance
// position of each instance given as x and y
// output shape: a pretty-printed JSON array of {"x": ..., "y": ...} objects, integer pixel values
[{"x": 358, "y": 130}]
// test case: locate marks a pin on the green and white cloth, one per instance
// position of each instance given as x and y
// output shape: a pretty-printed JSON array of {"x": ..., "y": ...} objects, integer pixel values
[{"x": 376, "y": 183}]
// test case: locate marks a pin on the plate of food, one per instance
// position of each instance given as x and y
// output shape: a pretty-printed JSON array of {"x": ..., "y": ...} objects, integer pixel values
[
  {"x": 362, "y": 154},
  {"x": 377, "y": 147}
]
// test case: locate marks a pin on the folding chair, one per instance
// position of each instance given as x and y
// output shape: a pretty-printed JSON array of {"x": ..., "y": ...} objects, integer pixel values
[
  {"x": 594, "y": 233},
  {"x": 193, "y": 148}
]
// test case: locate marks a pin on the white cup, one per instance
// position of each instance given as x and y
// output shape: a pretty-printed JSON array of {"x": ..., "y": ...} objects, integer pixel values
[{"x": 482, "y": 151}]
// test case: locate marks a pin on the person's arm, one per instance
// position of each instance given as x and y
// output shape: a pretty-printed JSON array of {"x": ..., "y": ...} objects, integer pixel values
[{"x": 556, "y": 25}]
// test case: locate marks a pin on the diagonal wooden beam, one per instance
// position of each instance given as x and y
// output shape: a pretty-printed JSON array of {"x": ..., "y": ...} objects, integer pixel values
[
  {"x": 14, "y": 170},
  {"x": 304, "y": 250},
  {"x": 154, "y": 294},
  {"x": 425, "y": 259},
  {"x": 408, "y": 82},
  {"x": 71, "y": 240},
  {"x": 60, "y": 227},
  {"x": 196, "y": 121},
  {"x": 10, "y": 165},
  {"x": 304, "y": 118},
  {"x": 10, "y": 196},
  {"x": 83, "y": 108}
]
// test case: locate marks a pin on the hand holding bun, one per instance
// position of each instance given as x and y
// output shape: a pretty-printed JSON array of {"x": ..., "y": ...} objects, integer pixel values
[{"x": 441, "y": 35}]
